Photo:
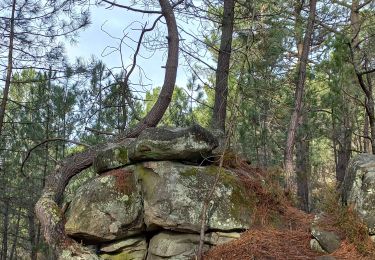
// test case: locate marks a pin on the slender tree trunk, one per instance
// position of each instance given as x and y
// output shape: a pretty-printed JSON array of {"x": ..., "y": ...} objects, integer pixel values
[
  {"x": 343, "y": 156},
  {"x": 32, "y": 235},
  {"x": 222, "y": 71},
  {"x": 4, "y": 101},
  {"x": 343, "y": 139},
  {"x": 344, "y": 150},
  {"x": 300, "y": 88},
  {"x": 303, "y": 167},
  {"x": 16, "y": 234},
  {"x": 366, "y": 143},
  {"x": 124, "y": 111},
  {"x": 4, "y": 249}
]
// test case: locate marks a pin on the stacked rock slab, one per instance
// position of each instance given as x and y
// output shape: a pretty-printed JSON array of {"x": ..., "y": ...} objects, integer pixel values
[{"x": 147, "y": 201}]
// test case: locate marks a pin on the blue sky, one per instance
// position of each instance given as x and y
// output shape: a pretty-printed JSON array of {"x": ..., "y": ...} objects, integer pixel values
[{"x": 96, "y": 40}]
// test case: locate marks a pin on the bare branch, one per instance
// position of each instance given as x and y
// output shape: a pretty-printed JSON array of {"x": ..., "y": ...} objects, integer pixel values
[
  {"x": 112, "y": 3},
  {"x": 46, "y": 141},
  {"x": 98, "y": 131},
  {"x": 363, "y": 5}
]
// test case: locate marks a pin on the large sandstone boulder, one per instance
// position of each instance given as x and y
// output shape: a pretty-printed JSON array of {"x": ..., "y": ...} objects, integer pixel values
[
  {"x": 358, "y": 188},
  {"x": 159, "y": 195},
  {"x": 174, "y": 194},
  {"x": 192, "y": 144},
  {"x": 108, "y": 207}
]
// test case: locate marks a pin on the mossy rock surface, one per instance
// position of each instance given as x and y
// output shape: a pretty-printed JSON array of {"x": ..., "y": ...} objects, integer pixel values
[
  {"x": 134, "y": 248},
  {"x": 181, "y": 144},
  {"x": 358, "y": 188},
  {"x": 113, "y": 156},
  {"x": 192, "y": 144},
  {"x": 106, "y": 208},
  {"x": 174, "y": 194}
]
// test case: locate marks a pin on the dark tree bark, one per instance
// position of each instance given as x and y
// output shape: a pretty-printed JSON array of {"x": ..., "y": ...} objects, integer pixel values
[
  {"x": 4, "y": 100},
  {"x": 222, "y": 71},
  {"x": 32, "y": 235},
  {"x": 16, "y": 236},
  {"x": 47, "y": 207},
  {"x": 303, "y": 166},
  {"x": 4, "y": 247},
  {"x": 366, "y": 143},
  {"x": 344, "y": 141},
  {"x": 298, "y": 99}
]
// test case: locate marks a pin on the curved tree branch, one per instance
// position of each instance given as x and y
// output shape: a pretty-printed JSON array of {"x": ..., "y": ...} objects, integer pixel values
[
  {"x": 47, "y": 208},
  {"x": 46, "y": 141}
]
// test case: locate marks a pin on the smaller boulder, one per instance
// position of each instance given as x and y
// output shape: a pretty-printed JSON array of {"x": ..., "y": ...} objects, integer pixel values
[
  {"x": 328, "y": 241},
  {"x": 315, "y": 246}
]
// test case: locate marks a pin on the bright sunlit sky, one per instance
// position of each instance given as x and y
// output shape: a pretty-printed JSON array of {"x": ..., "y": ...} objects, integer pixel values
[{"x": 96, "y": 40}]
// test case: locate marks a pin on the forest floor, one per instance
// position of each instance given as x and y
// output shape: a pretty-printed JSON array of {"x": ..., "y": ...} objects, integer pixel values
[{"x": 279, "y": 231}]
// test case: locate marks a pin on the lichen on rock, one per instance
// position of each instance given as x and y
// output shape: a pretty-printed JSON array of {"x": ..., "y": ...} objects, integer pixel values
[{"x": 358, "y": 188}]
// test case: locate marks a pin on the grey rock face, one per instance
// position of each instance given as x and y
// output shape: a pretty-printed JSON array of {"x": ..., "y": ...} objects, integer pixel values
[
  {"x": 183, "y": 144},
  {"x": 113, "y": 156},
  {"x": 314, "y": 245},
  {"x": 176, "y": 246},
  {"x": 174, "y": 194},
  {"x": 329, "y": 241},
  {"x": 159, "y": 194},
  {"x": 173, "y": 245},
  {"x": 358, "y": 188},
  {"x": 192, "y": 144},
  {"x": 130, "y": 248},
  {"x": 108, "y": 207}
]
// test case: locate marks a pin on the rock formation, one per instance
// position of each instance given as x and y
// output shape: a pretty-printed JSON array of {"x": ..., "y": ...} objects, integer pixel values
[
  {"x": 358, "y": 188},
  {"x": 147, "y": 200}
]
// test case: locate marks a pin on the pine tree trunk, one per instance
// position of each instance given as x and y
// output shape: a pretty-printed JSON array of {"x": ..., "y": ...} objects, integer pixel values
[
  {"x": 344, "y": 147},
  {"x": 223, "y": 63},
  {"x": 299, "y": 92},
  {"x": 366, "y": 144},
  {"x": 4, "y": 248},
  {"x": 303, "y": 172},
  {"x": 16, "y": 235},
  {"x": 303, "y": 166},
  {"x": 4, "y": 100}
]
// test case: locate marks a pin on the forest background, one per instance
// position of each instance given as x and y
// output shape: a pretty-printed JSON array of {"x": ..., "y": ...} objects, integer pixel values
[{"x": 290, "y": 82}]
